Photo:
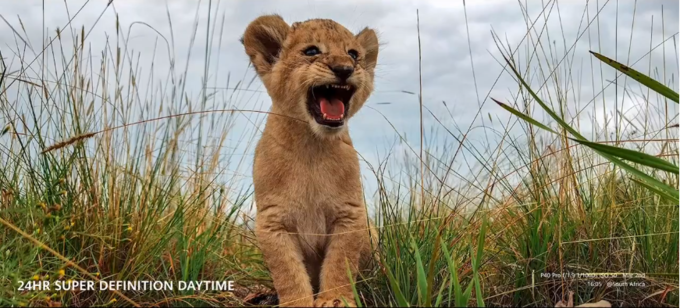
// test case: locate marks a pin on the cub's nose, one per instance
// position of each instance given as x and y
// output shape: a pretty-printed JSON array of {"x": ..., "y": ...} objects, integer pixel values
[{"x": 343, "y": 72}]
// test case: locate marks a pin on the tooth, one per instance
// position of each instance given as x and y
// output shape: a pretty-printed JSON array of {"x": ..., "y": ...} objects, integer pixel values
[{"x": 325, "y": 117}]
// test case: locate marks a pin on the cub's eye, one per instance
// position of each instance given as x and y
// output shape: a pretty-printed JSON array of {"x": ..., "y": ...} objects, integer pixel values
[
  {"x": 312, "y": 51},
  {"x": 353, "y": 53}
]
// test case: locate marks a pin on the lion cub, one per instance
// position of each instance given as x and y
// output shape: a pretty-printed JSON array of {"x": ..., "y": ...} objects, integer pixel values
[{"x": 311, "y": 220}]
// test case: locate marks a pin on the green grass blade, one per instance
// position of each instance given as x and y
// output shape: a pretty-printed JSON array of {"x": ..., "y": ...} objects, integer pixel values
[
  {"x": 423, "y": 299},
  {"x": 440, "y": 295},
  {"x": 466, "y": 296},
  {"x": 523, "y": 116},
  {"x": 5, "y": 130},
  {"x": 632, "y": 156},
  {"x": 641, "y": 78},
  {"x": 457, "y": 292},
  {"x": 480, "y": 243},
  {"x": 478, "y": 290},
  {"x": 432, "y": 266},
  {"x": 451, "y": 288},
  {"x": 357, "y": 299},
  {"x": 543, "y": 105},
  {"x": 394, "y": 285},
  {"x": 655, "y": 190},
  {"x": 476, "y": 262},
  {"x": 668, "y": 192}
]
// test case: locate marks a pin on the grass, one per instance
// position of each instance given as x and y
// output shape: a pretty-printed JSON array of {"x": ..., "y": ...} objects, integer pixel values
[{"x": 95, "y": 184}]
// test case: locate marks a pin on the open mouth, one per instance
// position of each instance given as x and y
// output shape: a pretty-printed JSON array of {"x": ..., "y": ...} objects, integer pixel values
[{"x": 328, "y": 103}]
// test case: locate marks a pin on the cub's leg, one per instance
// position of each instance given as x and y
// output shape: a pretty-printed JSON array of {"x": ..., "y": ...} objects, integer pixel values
[
  {"x": 283, "y": 257},
  {"x": 345, "y": 244}
]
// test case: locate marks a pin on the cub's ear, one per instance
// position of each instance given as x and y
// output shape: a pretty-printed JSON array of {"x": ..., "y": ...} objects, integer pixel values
[
  {"x": 369, "y": 40},
  {"x": 263, "y": 41}
]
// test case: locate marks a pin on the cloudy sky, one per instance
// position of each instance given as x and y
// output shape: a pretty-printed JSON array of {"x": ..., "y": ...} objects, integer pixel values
[{"x": 154, "y": 31}]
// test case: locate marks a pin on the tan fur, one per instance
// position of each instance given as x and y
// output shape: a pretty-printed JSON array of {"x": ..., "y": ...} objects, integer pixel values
[{"x": 311, "y": 219}]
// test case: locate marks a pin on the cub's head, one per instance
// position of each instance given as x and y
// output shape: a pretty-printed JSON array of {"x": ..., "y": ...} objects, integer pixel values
[{"x": 315, "y": 70}]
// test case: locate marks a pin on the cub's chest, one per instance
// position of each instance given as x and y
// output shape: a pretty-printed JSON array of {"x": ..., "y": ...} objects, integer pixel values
[
  {"x": 310, "y": 176},
  {"x": 327, "y": 174},
  {"x": 316, "y": 165}
]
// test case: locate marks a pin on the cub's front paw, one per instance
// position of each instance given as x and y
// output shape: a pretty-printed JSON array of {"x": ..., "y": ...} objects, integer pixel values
[{"x": 334, "y": 301}]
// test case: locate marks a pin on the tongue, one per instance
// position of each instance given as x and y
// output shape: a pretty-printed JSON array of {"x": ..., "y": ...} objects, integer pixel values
[{"x": 333, "y": 108}]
